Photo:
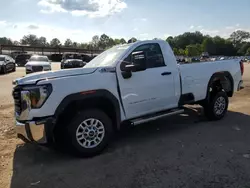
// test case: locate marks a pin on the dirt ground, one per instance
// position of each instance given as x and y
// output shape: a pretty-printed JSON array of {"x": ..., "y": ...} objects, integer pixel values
[{"x": 180, "y": 151}]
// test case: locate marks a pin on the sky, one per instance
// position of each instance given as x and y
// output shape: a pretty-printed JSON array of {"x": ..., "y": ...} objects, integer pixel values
[{"x": 79, "y": 20}]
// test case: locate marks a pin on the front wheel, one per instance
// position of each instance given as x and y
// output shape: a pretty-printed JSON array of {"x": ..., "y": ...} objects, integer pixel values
[
  {"x": 4, "y": 69},
  {"x": 216, "y": 109},
  {"x": 14, "y": 68},
  {"x": 89, "y": 132}
]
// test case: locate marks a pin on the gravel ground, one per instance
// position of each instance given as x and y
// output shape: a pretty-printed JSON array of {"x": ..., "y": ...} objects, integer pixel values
[{"x": 180, "y": 151}]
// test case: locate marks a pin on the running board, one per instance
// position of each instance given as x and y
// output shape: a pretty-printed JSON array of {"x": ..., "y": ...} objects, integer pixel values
[{"x": 157, "y": 116}]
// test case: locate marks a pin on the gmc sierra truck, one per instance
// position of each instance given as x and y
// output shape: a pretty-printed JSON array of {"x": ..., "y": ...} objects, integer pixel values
[{"x": 127, "y": 84}]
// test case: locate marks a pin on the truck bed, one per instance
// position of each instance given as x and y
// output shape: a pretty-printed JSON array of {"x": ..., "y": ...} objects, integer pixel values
[{"x": 195, "y": 76}]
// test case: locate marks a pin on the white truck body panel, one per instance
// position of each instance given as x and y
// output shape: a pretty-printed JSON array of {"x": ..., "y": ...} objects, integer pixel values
[
  {"x": 195, "y": 76},
  {"x": 148, "y": 91},
  {"x": 65, "y": 86},
  {"x": 145, "y": 92}
]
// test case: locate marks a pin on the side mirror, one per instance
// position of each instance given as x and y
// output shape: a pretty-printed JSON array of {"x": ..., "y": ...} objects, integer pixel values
[{"x": 138, "y": 61}]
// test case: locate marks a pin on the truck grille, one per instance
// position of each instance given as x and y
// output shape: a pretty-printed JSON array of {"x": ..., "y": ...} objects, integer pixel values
[
  {"x": 37, "y": 68},
  {"x": 17, "y": 99}
]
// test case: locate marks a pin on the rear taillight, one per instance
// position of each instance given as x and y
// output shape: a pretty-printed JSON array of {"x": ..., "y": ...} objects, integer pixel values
[{"x": 241, "y": 67}]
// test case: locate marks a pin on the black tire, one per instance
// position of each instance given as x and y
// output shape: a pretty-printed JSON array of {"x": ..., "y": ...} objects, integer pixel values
[
  {"x": 210, "y": 108},
  {"x": 14, "y": 69},
  {"x": 71, "y": 129},
  {"x": 4, "y": 69}
]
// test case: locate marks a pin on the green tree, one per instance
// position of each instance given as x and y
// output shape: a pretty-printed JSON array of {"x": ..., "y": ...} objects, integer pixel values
[
  {"x": 248, "y": 51},
  {"x": 219, "y": 45},
  {"x": 68, "y": 43},
  {"x": 104, "y": 41},
  {"x": 117, "y": 41},
  {"x": 31, "y": 40},
  {"x": 171, "y": 41},
  {"x": 229, "y": 49},
  {"x": 16, "y": 43},
  {"x": 181, "y": 41},
  {"x": 239, "y": 36},
  {"x": 192, "y": 50},
  {"x": 208, "y": 46},
  {"x": 133, "y": 39},
  {"x": 84, "y": 45},
  {"x": 95, "y": 42},
  {"x": 244, "y": 47},
  {"x": 6, "y": 41},
  {"x": 122, "y": 41},
  {"x": 181, "y": 52},
  {"x": 75, "y": 44},
  {"x": 111, "y": 43},
  {"x": 42, "y": 41},
  {"x": 176, "y": 51},
  {"x": 55, "y": 42}
]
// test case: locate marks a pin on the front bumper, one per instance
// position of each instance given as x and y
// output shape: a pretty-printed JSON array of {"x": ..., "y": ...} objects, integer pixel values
[
  {"x": 40, "y": 131},
  {"x": 36, "y": 131}
]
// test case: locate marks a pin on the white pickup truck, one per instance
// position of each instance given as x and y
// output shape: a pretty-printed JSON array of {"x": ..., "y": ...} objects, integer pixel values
[{"x": 131, "y": 83}]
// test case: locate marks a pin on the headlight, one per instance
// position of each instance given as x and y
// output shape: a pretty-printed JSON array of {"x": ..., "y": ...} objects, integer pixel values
[
  {"x": 38, "y": 94},
  {"x": 28, "y": 67}
]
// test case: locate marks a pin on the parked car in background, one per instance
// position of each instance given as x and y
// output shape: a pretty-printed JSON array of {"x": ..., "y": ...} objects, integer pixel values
[
  {"x": 15, "y": 53},
  {"x": 22, "y": 59},
  {"x": 38, "y": 63},
  {"x": 72, "y": 63},
  {"x": 7, "y": 64},
  {"x": 56, "y": 57},
  {"x": 86, "y": 58},
  {"x": 71, "y": 56}
]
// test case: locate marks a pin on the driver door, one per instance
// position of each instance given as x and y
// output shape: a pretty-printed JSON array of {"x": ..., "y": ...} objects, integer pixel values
[{"x": 146, "y": 91}]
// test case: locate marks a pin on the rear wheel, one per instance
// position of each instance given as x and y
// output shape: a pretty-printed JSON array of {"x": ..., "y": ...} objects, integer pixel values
[
  {"x": 89, "y": 132},
  {"x": 216, "y": 109}
]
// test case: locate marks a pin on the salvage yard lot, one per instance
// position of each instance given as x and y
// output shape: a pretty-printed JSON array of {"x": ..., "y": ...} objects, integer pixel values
[{"x": 180, "y": 151}]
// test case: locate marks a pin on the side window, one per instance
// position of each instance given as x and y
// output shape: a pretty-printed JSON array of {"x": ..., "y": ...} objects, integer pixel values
[{"x": 154, "y": 57}]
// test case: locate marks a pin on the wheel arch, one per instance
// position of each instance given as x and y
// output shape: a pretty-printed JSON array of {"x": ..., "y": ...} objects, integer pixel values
[
  {"x": 90, "y": 99},
  {"x": 224, "y": 79}
]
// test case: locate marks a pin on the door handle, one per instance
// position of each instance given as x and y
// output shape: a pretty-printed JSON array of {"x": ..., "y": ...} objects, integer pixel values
[{"x": 166, "y": 73}]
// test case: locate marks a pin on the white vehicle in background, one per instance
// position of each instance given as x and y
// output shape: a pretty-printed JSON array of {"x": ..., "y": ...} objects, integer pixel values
[
  {"x": 37, "y": 63},
  {"x": 127, "y": 84}
]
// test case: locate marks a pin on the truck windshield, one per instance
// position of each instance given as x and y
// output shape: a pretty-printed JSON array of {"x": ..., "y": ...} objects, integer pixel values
[{"x": 108, "y": 57}]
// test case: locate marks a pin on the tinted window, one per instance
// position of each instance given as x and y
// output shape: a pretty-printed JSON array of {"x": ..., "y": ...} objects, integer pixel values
[
  {"x": 22, "y": 57},
  {"x": 154, "y": 57},
  {"x": 2, "y": 58},
  {"x": 39, "y": 58}
]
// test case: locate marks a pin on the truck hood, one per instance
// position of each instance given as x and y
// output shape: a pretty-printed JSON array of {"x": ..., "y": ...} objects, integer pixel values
[
  {"x": 35, "y": 77},
  {"x": 41, "y": 63}
]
